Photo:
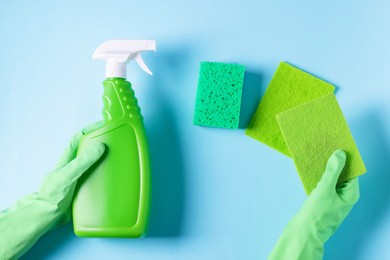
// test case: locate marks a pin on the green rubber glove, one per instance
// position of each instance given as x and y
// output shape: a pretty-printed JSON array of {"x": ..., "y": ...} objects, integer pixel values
[
  {"x": 320, "y": 216},
  {"x": 32, "y": 216}
]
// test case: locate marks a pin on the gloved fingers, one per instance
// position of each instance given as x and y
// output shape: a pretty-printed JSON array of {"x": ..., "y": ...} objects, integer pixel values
[
  {"x": 83, "y": 162},
  {"x": 333, "y": 170},
  {"x": 63, "y": 178},
  {"x": 349, "y": 191},
  {"x": 70, "y": 151},
  {"x": 92, "y": 127}
]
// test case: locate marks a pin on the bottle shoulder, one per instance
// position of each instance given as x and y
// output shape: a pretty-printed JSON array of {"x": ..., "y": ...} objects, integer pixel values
[{"x": 135, "y": 126}]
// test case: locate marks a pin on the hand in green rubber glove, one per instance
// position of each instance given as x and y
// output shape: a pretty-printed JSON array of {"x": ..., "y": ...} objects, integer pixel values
[
  {"x": 32, "y": 216},
  {"x": 320, "y": 216}
]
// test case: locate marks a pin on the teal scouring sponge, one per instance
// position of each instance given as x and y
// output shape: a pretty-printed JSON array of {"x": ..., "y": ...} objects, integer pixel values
[
  {"x": 218, "y": 98},
  {"x": 288, "y": 88}
]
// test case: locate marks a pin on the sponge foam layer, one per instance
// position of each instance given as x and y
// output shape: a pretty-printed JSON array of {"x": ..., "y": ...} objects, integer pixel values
[{"x": 218, "y": 97}]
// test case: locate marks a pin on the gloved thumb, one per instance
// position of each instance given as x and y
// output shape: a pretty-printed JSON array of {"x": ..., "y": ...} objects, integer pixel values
[
  {"x": 334, "y": 167},
  {"x": 349, "y": 191}
]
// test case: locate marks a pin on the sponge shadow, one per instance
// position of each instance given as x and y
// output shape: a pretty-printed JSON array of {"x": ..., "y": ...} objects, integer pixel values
[
  {"x": 252, "y": 91},
  {"x": 373, "y": 207}
]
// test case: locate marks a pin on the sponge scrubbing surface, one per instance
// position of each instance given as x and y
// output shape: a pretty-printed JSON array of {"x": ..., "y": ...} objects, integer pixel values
[
  {"x": 313, "y": 131},
  {"x": 218, "y": 98},
  {"x": 288, "y": 88}
]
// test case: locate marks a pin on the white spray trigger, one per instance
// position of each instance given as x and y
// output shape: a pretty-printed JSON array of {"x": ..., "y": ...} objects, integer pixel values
[
  {"x": 141, "y": 63},
  {"x": 117, "y": 53}
]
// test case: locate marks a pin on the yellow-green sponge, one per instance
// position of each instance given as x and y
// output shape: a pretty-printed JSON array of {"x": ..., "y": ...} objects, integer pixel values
[
  {"x": 288, "y": 88},
  {"x": 218, "y": 98},
  {"x": 313, "y": 131}
]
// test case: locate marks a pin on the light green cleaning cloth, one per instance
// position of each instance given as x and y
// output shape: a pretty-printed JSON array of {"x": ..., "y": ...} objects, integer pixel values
[
  {"x": 313, "y": 131},
  {"x": 288, "y": 88}
]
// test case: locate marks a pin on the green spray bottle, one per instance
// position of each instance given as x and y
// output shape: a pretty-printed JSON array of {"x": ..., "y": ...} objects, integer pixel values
[{"x": 113, "y": 198}]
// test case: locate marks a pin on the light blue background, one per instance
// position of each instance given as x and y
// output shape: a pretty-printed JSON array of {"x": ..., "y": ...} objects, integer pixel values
[{"x": 217, "y": 194}]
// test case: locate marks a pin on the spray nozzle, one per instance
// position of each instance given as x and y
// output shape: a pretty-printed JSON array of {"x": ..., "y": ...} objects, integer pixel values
[{"x": 117, "y": 53}]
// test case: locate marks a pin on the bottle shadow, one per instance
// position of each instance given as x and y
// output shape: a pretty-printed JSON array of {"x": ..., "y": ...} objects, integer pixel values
[
  {"x": 373, "y": 207},
  {"x": 168, "y": 171},
  {"x": 168, "y": 188}
]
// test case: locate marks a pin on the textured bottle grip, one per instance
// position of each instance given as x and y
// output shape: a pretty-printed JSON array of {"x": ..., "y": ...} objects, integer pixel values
[
  {"x": 119, "y": 100},
  {"x": 129, "y": 102}
]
